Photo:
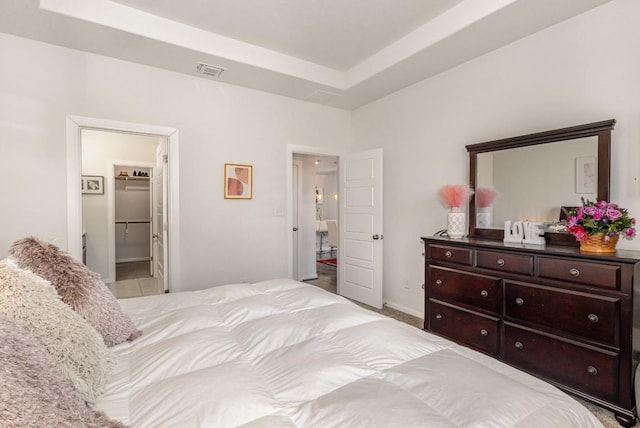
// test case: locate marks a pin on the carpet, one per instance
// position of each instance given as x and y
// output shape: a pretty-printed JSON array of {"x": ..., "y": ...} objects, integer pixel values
[{"x": 329, "y": 262}]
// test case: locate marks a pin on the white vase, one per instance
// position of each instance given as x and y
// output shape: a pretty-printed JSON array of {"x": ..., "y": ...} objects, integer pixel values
[
  {"x": 483, "y": 217},
  {"x": 456, "y": 224}
]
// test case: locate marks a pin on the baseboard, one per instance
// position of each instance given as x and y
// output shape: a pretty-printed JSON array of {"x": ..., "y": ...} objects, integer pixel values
[
  {"x": 404, "y": 309},
  {"x": 134, "y": 259},
  {"x": 309, "y": 277}
]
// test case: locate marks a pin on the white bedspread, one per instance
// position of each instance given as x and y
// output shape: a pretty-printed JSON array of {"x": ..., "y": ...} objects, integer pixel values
[{"x": 285, "y": 354}]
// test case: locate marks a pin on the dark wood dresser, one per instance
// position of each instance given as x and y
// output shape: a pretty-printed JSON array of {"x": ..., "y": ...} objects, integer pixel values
[{"x": 552, "y": 311}]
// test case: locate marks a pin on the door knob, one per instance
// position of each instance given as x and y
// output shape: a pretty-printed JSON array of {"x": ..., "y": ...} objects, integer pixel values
[
  {"x": 376, "y": 237},
  {"x": 295, "y": 229}
]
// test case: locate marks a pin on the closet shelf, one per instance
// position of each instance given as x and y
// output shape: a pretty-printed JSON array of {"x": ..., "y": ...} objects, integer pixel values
[
  {"x": 126, "y": 177},
  {"x": 132, "y": 221}
]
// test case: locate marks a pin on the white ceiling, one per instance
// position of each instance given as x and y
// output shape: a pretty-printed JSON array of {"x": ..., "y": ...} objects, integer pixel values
[
  {"x": 342, "y": 53},
  {"x": 335, "y": 33}
]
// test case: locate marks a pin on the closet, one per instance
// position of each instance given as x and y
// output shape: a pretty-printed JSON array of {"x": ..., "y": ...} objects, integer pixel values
[{"x": 133, "y": 216}]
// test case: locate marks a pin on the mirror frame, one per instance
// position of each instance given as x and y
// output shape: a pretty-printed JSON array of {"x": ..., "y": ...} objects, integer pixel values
[{"x": 600, "y": 129}]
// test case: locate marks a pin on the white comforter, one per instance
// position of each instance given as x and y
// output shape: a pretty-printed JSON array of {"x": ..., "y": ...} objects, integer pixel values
[{"x": 285, "y": 354}]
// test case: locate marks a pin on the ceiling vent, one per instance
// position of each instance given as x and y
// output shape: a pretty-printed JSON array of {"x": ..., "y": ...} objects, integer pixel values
[
  {"x": 210, "y": 70},
  {"x": 321, "y": 96}
]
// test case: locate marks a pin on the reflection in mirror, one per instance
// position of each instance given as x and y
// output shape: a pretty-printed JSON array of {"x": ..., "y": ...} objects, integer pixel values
[
  {"x": 533, "y": 182},
  {"x": 537, "y": 174}
]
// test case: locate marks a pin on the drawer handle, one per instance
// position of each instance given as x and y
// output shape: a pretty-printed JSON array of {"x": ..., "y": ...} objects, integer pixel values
[
  {"x": 484, "y": 293},
  {"x": 574, "y": 272},
  {"x": 438, "y": 282},
  {"x": 438, "y": 316},
  {"x": 592, "y": 370},
  {"x": 593, "y": 318},
  {"x": 448, "y": 254},
  {"x": 519, "y": 346},
  {"x": 500, "y": 262},
  {"x": 519, "y": 301},
  {"x": 484, "y": 332}
]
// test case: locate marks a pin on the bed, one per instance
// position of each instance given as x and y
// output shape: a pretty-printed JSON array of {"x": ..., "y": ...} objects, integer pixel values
[
  {"x": 277, "y": 353},
  {"x": 282, "y": 353}
]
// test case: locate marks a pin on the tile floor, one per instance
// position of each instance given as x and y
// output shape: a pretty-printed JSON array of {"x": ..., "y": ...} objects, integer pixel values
[
  {"x": 135, "y": 287},
  {"x": 133, "y": 280}
]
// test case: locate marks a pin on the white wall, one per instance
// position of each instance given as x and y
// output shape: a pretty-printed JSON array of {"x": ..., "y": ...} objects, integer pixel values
[
  {"x": 221, "y": 240},
  {"x": 583, "y": 70},
  {"x": 99, "y": 151}
]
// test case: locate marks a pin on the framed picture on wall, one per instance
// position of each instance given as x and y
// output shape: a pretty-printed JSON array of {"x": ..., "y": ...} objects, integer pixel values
[
  {"x": 238, "y": 181},
  {"x": 586, "y": 175},
  {"x": 92, "y": 185}
]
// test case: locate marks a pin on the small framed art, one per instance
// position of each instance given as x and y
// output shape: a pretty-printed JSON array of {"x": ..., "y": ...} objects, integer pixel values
[
  {"x": 92, "y": 185},
  {"x": 586, "y": 175},
  {"x": 238, "y": 181}
]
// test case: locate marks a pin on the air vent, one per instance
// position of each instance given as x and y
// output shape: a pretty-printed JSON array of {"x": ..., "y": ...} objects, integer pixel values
[
  {"x": 321, "y": 96},
  {"x": 210, "y": 70}
]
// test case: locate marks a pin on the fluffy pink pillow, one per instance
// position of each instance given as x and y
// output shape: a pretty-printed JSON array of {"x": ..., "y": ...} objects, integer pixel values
[
  {"x": 78, "y": 286},
  {"x": 34, "y": 391},
  {"x": 33, "y": 304}
]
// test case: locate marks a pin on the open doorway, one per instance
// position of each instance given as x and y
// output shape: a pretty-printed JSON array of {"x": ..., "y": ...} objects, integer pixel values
[
  {"x": 133, "y": 202},
  {"x": 326, "y": 200},
  {"x": 315, "y": 214},
  {"x": 360, "y": 222},
  {"x": 118, "y": 224},
  {"x": 167, "y": 163}
]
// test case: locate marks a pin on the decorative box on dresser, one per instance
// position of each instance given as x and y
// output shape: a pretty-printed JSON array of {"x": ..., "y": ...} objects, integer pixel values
[{"x": 552, "y": 311}]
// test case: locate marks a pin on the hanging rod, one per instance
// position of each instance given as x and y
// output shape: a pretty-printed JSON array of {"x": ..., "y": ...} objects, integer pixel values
[{"x": 132, "y": 221}]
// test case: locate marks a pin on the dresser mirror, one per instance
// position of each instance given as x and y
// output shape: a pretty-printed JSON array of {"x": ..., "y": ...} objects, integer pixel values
[{"x": 534, "y": 175}]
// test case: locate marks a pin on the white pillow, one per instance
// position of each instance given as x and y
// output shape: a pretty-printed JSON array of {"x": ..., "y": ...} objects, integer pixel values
[
  {"x": 34, "y": 391},
  {"x": 78, "y": 348}
]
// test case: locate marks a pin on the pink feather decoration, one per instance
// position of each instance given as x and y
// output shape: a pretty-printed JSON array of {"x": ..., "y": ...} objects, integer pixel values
[
  {"x": 455, "y": 195},
  {"x": 485, "y": 197}
]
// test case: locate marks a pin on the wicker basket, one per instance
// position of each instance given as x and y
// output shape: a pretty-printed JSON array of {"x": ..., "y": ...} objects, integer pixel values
[{"x": 597, "y": 244}]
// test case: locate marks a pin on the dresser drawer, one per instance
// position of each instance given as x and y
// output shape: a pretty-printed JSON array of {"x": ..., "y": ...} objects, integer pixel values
[
  {"x": 596, "y": 274},
  {"x": 505, "y": 262},
  {"x": 592, "y": 317},
  {"x": 588, "y": 369},
  {"x": 463, "y": 256},
  {"x": 481, "y": 291},
  {"x": 472, "y": 329}
]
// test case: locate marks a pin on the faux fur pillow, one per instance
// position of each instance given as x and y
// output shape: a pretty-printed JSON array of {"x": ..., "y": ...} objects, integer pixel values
[
  {"x": 77, "y": 347},
  {"x": 34, "y": 391},
  {"x": 79, "y": 287}
]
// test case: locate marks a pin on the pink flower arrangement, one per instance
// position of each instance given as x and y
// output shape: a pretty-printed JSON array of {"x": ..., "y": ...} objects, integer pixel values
[
  {"x": 455, "y": 195},
  {"x": 600, "y": 217},
  {"x": 485, "y": 197}
]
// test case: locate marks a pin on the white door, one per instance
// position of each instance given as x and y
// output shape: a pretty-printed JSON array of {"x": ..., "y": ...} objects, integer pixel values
[
  {"x": 160, "y": 241},
  {"x": 295, "y": 185},
  {"x": 360, "y": 227}
]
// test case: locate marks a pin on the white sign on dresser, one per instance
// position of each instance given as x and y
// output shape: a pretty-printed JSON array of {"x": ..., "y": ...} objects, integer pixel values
[{"x": 524, "y": 232}]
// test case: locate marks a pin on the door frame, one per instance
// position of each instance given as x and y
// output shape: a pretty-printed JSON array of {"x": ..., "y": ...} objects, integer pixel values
[
  {"x": 74, "y": 126},
  {"x": 302, "y": 150},
  {"x": 295, "y": 183}
]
